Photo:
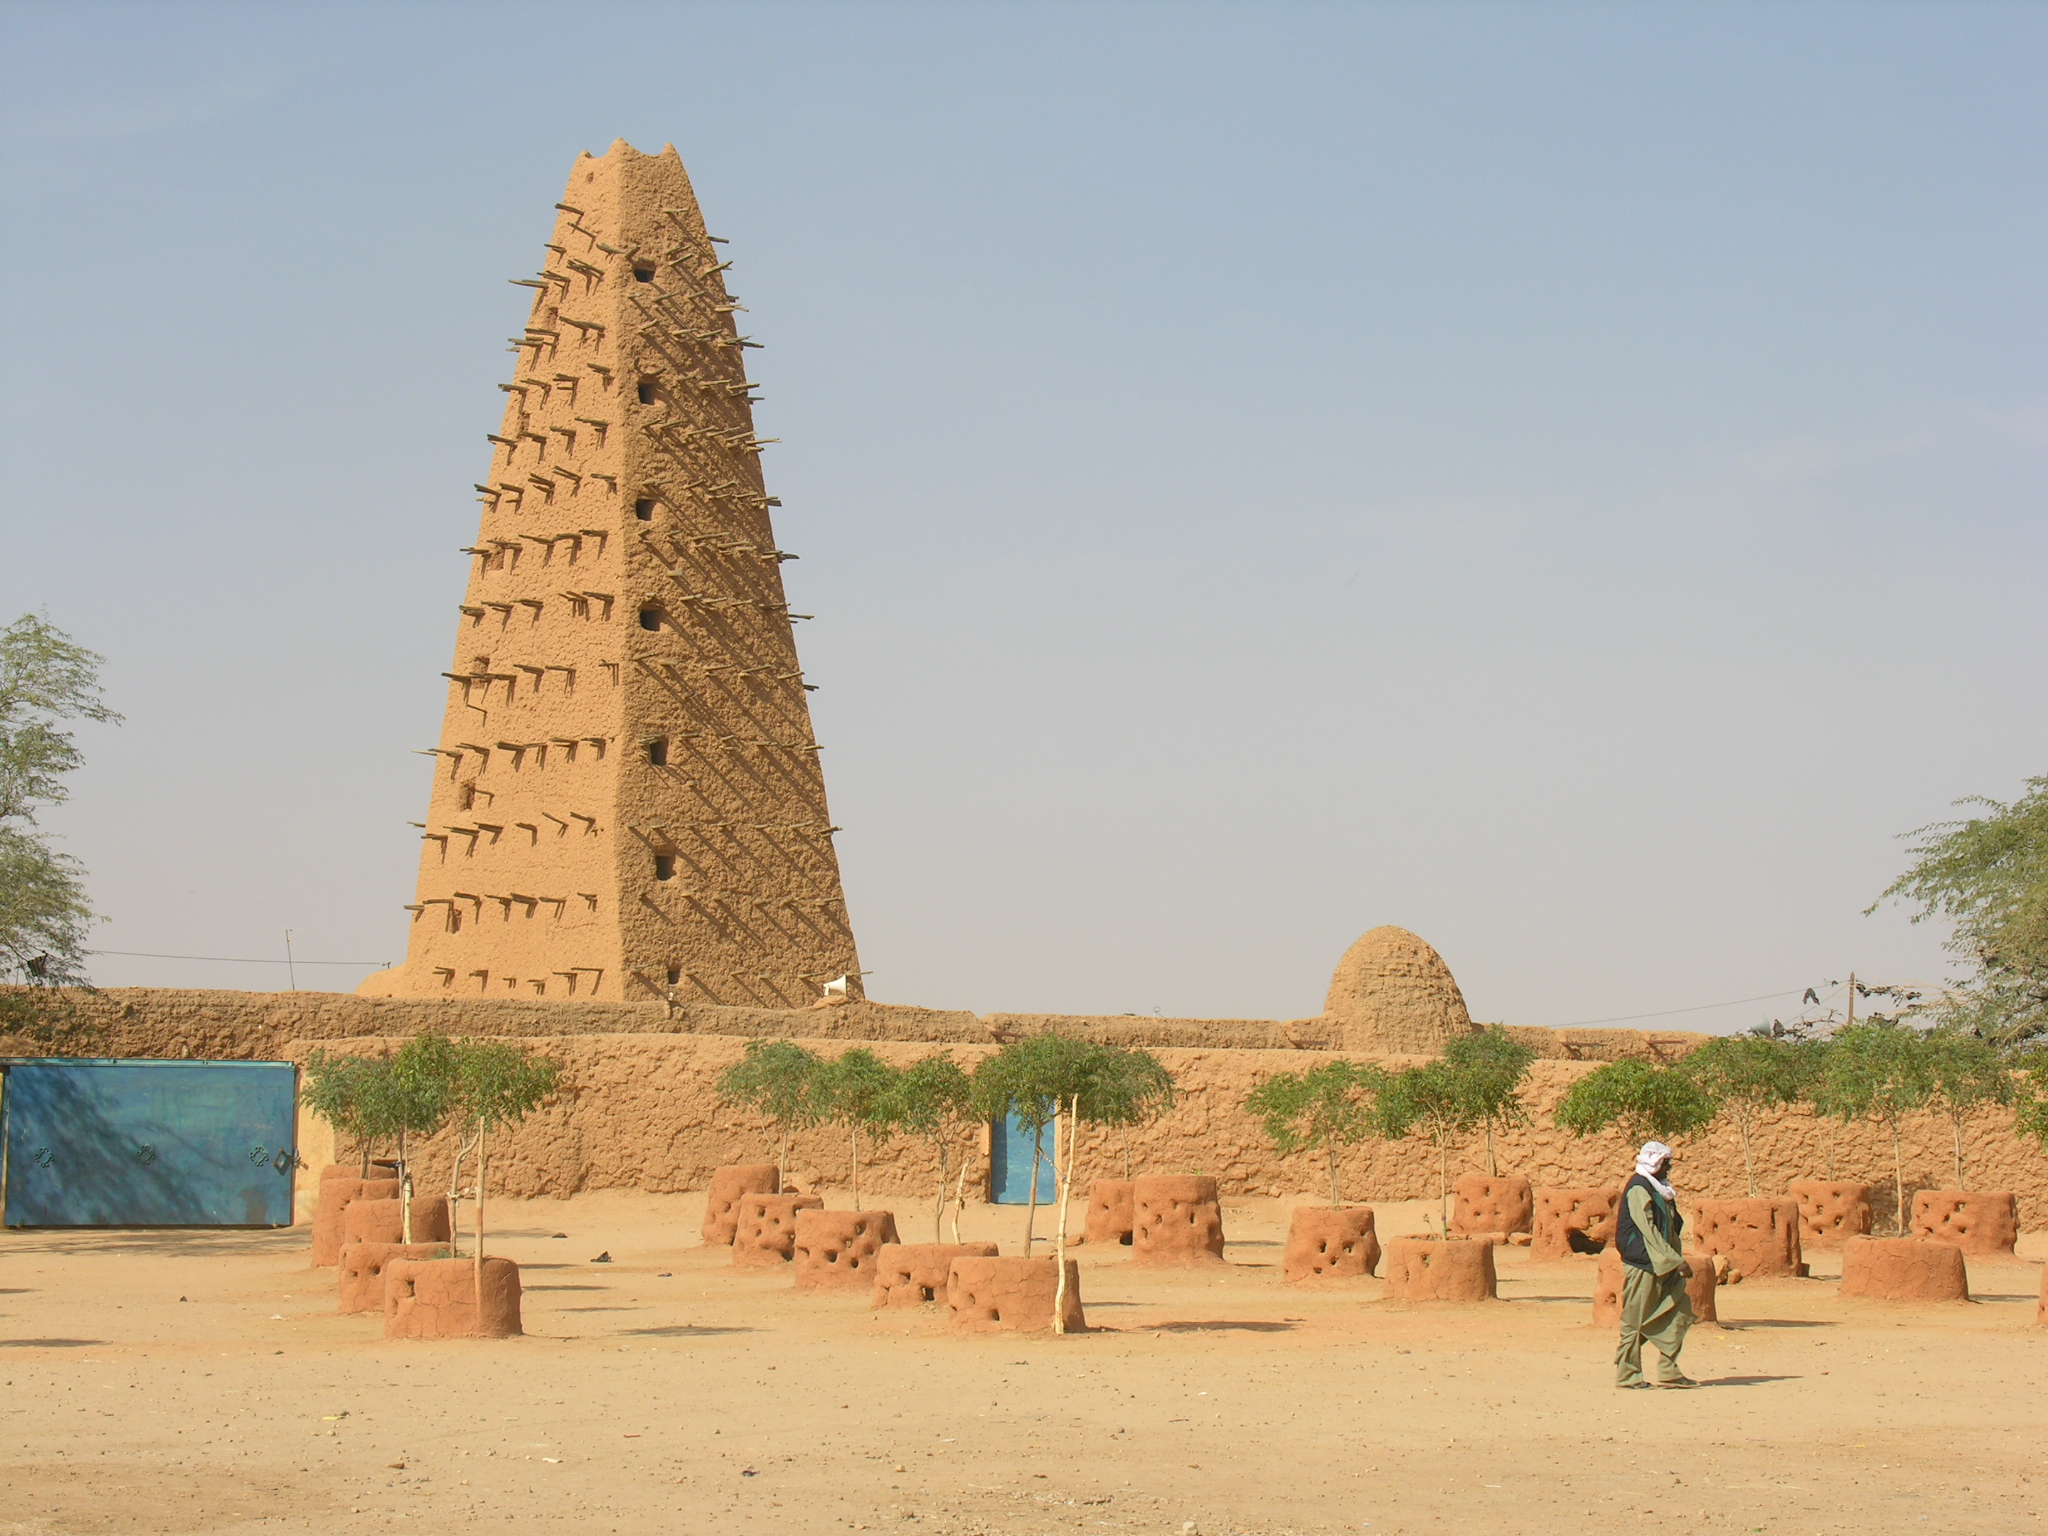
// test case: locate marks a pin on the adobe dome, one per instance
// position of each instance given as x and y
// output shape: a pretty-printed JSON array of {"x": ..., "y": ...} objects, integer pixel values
[{"x": 1393, "y": 993}]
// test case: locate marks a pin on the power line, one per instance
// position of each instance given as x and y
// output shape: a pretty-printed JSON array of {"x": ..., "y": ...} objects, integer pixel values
[
  {"x": 136, "y": 954},
  {"x": 1668, "y": 1012}
]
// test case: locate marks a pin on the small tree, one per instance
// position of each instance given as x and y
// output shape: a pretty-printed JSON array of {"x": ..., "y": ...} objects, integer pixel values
[
  {"x": 1011, "y": 1083},
  {"x": 414, "y": 1097},
  {"x": 1642, "y": 1101},
  {"x": 1323, "y": 1109},
  {"x": 496, "y": 1085},
  {"x": 1435, "y": 1102},
  {"x": 1746, "y": 1075},
  {"x": 1490, "y": 1065},
  {"x": 934, "y": 1098},
  {"x": 340, "y": 1089},
  {"x": 1131, "y": 1087},
  {"x": 856, "y": 1091},
  {"x": 45, "y": 680},
  {"x": 1880, "y": 1072},
  {"x": 782, "y": 1081},
  {"x": 1965, "y": 1075}
]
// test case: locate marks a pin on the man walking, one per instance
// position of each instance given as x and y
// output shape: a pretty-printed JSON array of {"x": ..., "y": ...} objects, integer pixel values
[{"x": 1654, "y": 1305}]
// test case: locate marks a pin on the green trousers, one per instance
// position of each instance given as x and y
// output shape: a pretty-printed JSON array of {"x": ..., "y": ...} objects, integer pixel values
[{"x": 1656, "y": 1309}]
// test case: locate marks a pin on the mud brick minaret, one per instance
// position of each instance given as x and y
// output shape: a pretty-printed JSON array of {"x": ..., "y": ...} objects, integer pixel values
[{"x": 627, "y": 796}]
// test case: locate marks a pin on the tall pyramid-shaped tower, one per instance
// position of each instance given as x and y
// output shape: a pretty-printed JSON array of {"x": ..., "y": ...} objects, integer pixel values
[{"x": 627, "y": 797}]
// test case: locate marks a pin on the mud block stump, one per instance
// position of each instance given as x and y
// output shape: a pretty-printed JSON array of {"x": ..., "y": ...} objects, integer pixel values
[
  {"x": 722, "y": 1203},
  {"x": 836, "y": 1250},
  {"x": 1010, "y": 1295},
  {"x": 1976, "y": 1221},
  {"x": 766, "y": 1230},
  {"x": 1760, "y": 1236},
  {"x": 1110, "y": 1217},
  {"x": 1322, "y": 1241},
  {"x": 909, "y": 1274},
  {"x": 378, "y": 1221},
  {"x": 1562, "y": 1212},
  {"x": 1496, "y": 1206},
  {"x": 338, "y": 1191},
  {"x": 1431, "y": 1269},
  {"x": 1904, "y": 1269},
  {"x": 437, "y": 1299},
  {"x": 1699, "y": 1289},
  {"x": 1829, "y": 1213},
  {"x": 362, "y": 1271},
  {"x": 1176, "y": 1219}
]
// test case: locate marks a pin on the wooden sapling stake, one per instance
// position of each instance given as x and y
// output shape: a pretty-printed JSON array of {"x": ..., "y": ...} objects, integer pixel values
[{"x": 1066, "y": 1189}]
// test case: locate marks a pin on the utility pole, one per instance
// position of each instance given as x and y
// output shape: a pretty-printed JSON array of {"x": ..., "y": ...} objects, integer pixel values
[
  {"x": 1852, "y": 997},
  {"x": 291, "y": 972}
]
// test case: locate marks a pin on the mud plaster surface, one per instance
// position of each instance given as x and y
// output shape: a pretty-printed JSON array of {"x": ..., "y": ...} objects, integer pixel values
[{"x": 131, "y": 1412}]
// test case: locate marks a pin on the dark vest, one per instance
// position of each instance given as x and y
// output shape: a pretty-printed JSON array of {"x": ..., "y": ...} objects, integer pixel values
[{"x": 1634, "y": 1252}]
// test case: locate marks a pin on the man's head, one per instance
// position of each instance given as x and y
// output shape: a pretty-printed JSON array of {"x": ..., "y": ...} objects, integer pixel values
[{"x": 1654, "y": 1161}]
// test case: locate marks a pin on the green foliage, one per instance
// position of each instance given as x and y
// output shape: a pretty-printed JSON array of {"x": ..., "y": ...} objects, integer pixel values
[
  {"x": 1437, "y": 1102},
  {"x": 45, "y": 679},
  {"x": 857, "y": 1090},
  {"x": 497, "y": 1084},
  {"x": 780, "y": 1080},
  {"x": 1965, "y": 1075},
  {"x": 2032, "y": 1118},
  {"x": 1881, "y": 1072},
  {"x": 1640, "y": 1100},
  {"x": 1747, "y": 1075},
  {"x": 1490, "y": 1064},
  {"x": 339, "y": 1089},
  {"x": 1323, "y": 1109},
  {"x": 933, "y": 1098},
  {"x": 1989, "y": 875}
]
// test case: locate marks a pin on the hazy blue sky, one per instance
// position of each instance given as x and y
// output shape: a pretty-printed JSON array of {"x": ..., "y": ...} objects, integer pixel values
[{"x": 1565, "y": 479}]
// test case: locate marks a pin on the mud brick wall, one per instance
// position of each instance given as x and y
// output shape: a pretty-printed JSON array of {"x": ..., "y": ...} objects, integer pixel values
[{"x": 639, "y": 1109}]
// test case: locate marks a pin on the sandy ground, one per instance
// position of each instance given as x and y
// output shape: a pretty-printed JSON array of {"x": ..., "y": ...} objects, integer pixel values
[{"x": 202, "y": 1382}]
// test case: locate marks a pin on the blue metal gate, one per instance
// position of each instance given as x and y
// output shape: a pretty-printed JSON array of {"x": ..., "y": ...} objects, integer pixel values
[
  {"x": 1009, "y": 1165},
  {"x": 149, "y": 1143}
]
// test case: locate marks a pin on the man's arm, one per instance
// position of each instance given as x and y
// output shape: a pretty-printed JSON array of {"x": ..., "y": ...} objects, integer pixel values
[{"x": 1664, "y": 1258}]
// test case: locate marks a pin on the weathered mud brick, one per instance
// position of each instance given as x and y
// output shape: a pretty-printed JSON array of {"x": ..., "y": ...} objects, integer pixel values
[
  {"x": 1322, "y": 1242},
  {"x": 722, "y": 1202}
]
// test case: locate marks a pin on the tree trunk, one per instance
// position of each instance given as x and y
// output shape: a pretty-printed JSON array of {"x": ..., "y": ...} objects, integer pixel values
[
  {"x": 366, "y": 1157},
  {"x": 455, "y": 1198},
  {"x": 1031, "y": 1208},
  {"x": 856, "y": 1168},
  {"x": 1128, "y": 1175},
  {"x": 1443, "y": 1184},
  {"x": 1333, "y": 1173},
  {"x": 1065, "y": 1179},
  {"x": 939, "y": 1205},
  {"x": 1492, "y": 1162},
  {"x": 404, "y": 1193},
  {"x": 782, "y": 1161},
  {"x": 483, "y": 1164},
  {"x": 1899, "y": 1178},
  {"x": 1958, "y": 1123},
  {"x": 960, "y": 1192},
  {"x": 1748, "y": 1163}
]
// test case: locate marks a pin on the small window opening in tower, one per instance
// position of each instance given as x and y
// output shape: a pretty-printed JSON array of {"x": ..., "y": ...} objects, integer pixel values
[
  {"x": 454, "y": 919},
  {"x": 466, "y": 797},
  {"x": 650, "y": 618},
  {"x": 643, "y": 271},
  {"x": 657, "y": 751},
  {"x": 644, "y": 509},
  {"x": 664, "y": 866},
  {"x": 646, "y": 392},
  {"x": 675, "y": 974}
]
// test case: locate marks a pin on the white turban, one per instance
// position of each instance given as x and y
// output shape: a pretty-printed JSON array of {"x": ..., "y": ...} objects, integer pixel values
[{"x": 1649, "y": 1160}]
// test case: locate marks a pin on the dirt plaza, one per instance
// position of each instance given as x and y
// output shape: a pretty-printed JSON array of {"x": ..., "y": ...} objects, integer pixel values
[{"x": 203, "y": 1382}]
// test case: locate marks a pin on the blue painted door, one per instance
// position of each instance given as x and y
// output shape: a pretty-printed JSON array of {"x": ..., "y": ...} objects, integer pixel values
[
  {"x": 149, "y": 1143},
  {"x": 1009, "y": 1165}
]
